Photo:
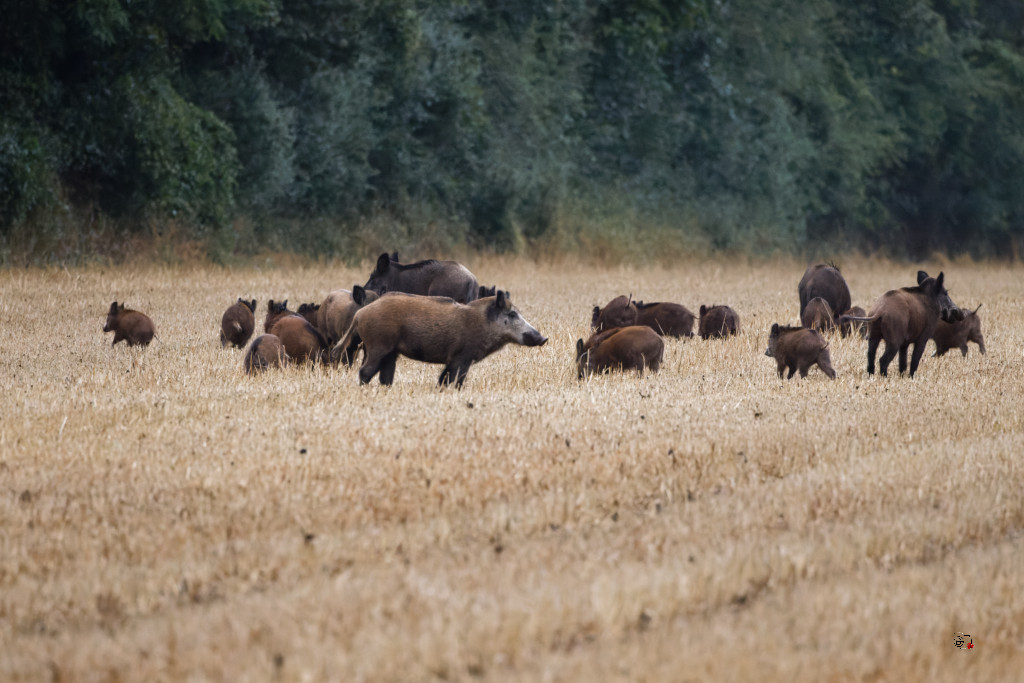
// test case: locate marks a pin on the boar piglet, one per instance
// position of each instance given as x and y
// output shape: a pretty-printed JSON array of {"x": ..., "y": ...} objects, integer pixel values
[
  {"x": 956, "y": 335},
  {"x": 798, "y": 348},
  {"x": 134, "y": 327},
  {"x": 238, "y": 323},
  {"x": 621, "y": 348}
]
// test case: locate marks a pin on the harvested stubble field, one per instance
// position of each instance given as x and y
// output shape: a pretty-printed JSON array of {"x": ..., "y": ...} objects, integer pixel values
[{"x": 165, "y": 517}]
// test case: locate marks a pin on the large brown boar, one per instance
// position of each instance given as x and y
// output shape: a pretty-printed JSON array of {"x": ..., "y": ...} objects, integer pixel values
[
  {"x": 301, "y": 341},
  {"x": 956, "y": 335},
  {"x": 435, "y": 330},
  {"x": 427, "y": 278},
  {"x": 907, "y": 316},
  {"x": 266, "y": 351},
  {"x": 798, "y": 348},
  {"x": 275, "y": 311},
  {"x": 818, "y": 315},
  {"x": 238, "y": 323},
  {"x": 619, "y": 312},
  {"x": 622, "y": 348},
  {"x": 854, "y": 323},
  {"x": 336, "y": 313},
  {"x": 665, "y": 318},
  {"x": 824, "y": 280},
  {"x": 134, "y": 327},
  {"x": 717, "y": 321}
]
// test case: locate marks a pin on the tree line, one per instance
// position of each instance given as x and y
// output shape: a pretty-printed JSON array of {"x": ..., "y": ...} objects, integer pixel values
[{"x": 752, "y": 124}]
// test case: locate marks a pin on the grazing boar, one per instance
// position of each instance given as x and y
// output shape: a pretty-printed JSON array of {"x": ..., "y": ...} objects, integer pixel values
[
  {"x": 667, "y": 319},
  {"x": 621, "y": 348},
  {"x": 238, "y": 323},
  {"x": 428, "y": 278},
  {"x": 266, "y": 351},
  {"x": 301, "y": 341},
  {"x": 275, "y": 311},
  {"x": 619, "y": 312},
  {"x": 435, "y": 330},
  {"x": 956, "y": 335},
  {"x": 717, "y": 321},
  {"x": 907, "y": 316},
  {"x": 824, "y": 280},
  {"x": 134, "y": 327},
  {"x": 798, "y": 348},
  {"x": 852, "y": 324},
  {"x": 818, "y": 315},
  {"x": 310, "y": 312},
  {"x": 336, "y": 313}
]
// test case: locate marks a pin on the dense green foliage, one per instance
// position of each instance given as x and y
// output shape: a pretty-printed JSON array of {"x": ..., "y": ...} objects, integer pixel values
[{"x": 302, "y": 124}]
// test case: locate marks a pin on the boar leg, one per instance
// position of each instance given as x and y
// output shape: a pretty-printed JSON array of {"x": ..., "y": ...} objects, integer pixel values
[
  {"x": 387, "y": 368},
  {"x": 903, "y": 356},
  {"x": 792, "y": 370},
  {"x": 915, "y": 358},
  {"x": 804, "y": 370},
  {"x": 371, "y": 365},
  {"x": 872, "y": 349},
  {"x": 963, "y": 349},
  {"x": 883, "y": 362},
  {"x": 782, "y": 367}
]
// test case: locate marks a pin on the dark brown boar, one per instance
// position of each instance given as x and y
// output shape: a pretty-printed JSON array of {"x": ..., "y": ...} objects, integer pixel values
[
  {"x": 622, "y": 348},
  {"x": 275, "y": 311},
  {"x": 665, "y": 318},
  {"x": 619, "y": 312},
  {"x": 435, "y": 330},
  {"x": 427, "y": 278},
  {"x": 301, "y": 341},
  {"x": 851, "y": 324},
  {"x": 310, "y": 312},
  {"x": 907, "y": 316},
  {"x": 335, "y": 316},
  {"x": 487, "y": 291},
  {"x": 956, "y": 335},
  {"x": 818, "y": 315},
  {"x": 717, "y": 321},
  {"x": 266, "y": 351},
  {"x": 798, "y": 348},
  {"x": 134, "y": 327},
  {"x": 824, "y": 280},
  {"x": 238, "y": 323}
]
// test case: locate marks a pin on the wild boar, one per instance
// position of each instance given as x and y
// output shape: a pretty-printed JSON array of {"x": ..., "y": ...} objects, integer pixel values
[
  {"x": 956, "y": 335},
  {"x": 619, "y": 312},
  {"x": 428, "y": 278},
  {"x": 798, "y": 348},
  {"x": 336, "y": 313},
  {"x": 275, "y": 311},
  {"x": 435, "y": 330},
  {"x": 487, "y": 291},
  {"x": 907, "y": 316},
  {"x": 665, "y": 318},
  {"x": 852, "y": 324},
  {"x": 134, "y": 327},
  {"x": 621, "y": 348},
  {"x": 824, "y": 280},
  {"x": 238, "y": 323},
  {"x": 717, "y": 321},
  {"x": 301, "y": 341},
  {"x": 310, "y": 312},
  {"x": 265, "y": 352},
  {"x": 818, "y": 316}
]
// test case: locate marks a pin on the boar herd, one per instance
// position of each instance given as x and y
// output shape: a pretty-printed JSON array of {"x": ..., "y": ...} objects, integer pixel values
[{"x": 437, "y": 312}]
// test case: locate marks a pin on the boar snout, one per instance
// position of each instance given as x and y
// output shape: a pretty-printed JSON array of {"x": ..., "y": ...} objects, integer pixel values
[{"x": 534, "y": 338}]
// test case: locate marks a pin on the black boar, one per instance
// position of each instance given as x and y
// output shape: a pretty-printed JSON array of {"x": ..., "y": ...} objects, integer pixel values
[
  {"x": 825, "y": 281},
  {"x": 619, "y": 312},
  {"x": 798, "y": 348},
  {"x": 907, "y": 316},
  {"x": 851, "y": 324},
  {"x": 275, "y": 311},
  {"x": 134, "y": 327},
  {"x": 310, "y": 312},
  {"x": 428, "y": 278},
  {"x": 301, "y": 341},
  {"x": 238, "y": 323},
  {"x": 435, "y": 330},
  {"x": 265, "y": 352},
  {"x": 487, "y": 291},
  {"x": 336, "y": 313},
  {"x": 665, "y": 318},
  {"x": 622, "y": 348},
  {"x": 717, "y": 321},
  {"x": 956, "y": 335},
  {"x": 818, "y": 316}
]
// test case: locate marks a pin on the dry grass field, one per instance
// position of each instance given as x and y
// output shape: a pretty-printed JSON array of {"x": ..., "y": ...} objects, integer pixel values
[{"x": 164, "y": 517}]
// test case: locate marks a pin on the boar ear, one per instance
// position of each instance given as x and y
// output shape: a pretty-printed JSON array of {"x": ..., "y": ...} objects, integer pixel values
[
  {"x": 252, "y": 305},
  {"x": 938, "y": 281},
  {"x": 579, "y": 348},
  {"x": 270, "y": 306},
  {"x": 382, "y": 264},
  {"x": 703, "y": 309},
  {"x": 283, "y": 305},
  {"x": 977, "y": 309},
  {"x": 501, "y": 303},
  {"x": 597, "y": 314},
  {"x": 921, "y": 276},
  {"x": 775, "y": 328},
  {"x": 113, "y": 307},
  {"x": 120, "y": 307},
  {"x": 358, "y": 295},
  {"x": 394, "y": 256}
]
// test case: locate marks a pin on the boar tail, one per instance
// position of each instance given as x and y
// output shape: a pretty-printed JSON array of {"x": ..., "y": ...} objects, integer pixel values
[{"x": 343, "y": 344}]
